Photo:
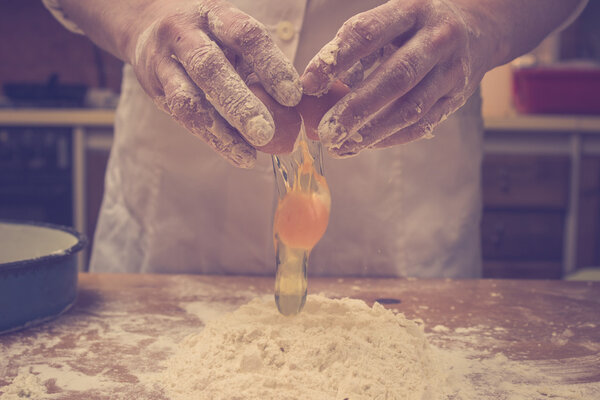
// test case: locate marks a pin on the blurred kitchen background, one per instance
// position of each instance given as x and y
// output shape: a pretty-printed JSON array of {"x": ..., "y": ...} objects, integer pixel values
[{"x": 541, "y": 172}]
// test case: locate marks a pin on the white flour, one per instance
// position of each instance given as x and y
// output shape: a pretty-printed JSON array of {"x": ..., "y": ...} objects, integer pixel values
[
  {"x": 343, "y": 349},
  {"x": 24, "y": 386},
  {"x": 335, "y": 349}
]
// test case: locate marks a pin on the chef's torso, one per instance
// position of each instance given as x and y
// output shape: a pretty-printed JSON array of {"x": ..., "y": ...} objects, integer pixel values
[{"x": 172, "y": 205}]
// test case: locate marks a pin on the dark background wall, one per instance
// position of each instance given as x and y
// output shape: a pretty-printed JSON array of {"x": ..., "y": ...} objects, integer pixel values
[{"x": 33, "y": 46}]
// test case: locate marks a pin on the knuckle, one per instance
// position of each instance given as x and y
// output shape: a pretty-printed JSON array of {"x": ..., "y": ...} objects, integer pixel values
[
  {"x": 204, "y": 61},
  {"x": 449, "y": 33},
  {"x": 191, "y": 109},
  {"x": 248, "y": 32},
  {"x": 411, "y": 112},
  {"x": 405, "y": 73},
  {"x": 364, "y": 29},
  {"x": 168, "y": 28}
]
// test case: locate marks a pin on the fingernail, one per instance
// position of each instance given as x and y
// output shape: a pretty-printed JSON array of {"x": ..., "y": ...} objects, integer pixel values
[
  {"x": 331, "y": 133},
  {"x": 348, "y": 148},
  {"x": 310, "y": 83},
  {"x": 259, "y": 131},
  {"x": 289, "y": 93},
  {"x": 356, "y": 137}
]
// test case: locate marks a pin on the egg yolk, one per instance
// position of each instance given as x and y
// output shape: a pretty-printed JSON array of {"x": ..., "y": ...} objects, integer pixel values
[{"x": 301, "y": 219}]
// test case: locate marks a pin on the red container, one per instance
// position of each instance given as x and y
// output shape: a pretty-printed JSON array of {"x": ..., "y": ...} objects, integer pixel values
[{"x": 557, "y": 90}]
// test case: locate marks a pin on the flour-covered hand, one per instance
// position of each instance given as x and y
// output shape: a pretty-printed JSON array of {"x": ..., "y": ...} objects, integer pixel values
[
  {"x": 431, "y": 56},
  {"x": 184, "y": 54}
]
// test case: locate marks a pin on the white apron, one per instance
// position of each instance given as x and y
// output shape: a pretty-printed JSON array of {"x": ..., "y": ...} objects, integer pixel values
[{"x": 172, "y": 205}]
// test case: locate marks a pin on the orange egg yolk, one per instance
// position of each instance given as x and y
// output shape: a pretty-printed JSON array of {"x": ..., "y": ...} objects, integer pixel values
[{"x": 301, "y": 219}]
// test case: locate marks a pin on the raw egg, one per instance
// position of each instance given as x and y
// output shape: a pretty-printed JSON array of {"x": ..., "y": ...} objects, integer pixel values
[{"x": 301, "y": 219}]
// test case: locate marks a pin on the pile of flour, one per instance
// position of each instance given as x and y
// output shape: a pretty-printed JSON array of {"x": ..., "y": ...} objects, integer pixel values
[{"x": 335, "y": 349}]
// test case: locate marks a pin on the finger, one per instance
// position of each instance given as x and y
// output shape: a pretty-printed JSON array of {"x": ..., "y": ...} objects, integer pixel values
[
  {"x": 313, "y": 108},
  {"x": 424, "y": 128},
  {"x": 358, "y": 37},
  {"x": 404, "y": 111},
  {"x": 366, "y": 65},
  {"x": 210, "y": 70},
  {"x": 188, "y": 105},
  {"x": 249, "y": 38},
  {"x": 370, "y": 60},
  {"x": 353, "y": 76},
  {"x": 402, "y": 71}
]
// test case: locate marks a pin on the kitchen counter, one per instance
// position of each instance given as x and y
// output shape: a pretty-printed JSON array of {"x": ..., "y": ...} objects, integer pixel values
[
  {"x": 57, "y": 117},
  {"x": 123, "y": 327},
  {"x": 544, "y": 123},
  {"x": 105, "y": 117}
]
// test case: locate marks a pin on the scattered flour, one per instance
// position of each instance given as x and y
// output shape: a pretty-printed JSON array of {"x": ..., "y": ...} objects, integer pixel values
[
  {"x": 328, "y": 54},
  {"x": 562, "y": 338},
  {"x": 24, "y": 386},
  {"x": 440, "y": 328},
  {"x": 335, "y": 349},
  {"x": 345, "y": 350}
]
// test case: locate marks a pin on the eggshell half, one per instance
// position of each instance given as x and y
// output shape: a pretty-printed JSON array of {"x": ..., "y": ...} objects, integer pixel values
[
  {"x": 287, "y": 123},
  {"x": 313, "y": 108},
  {"x": 287, "y": 119}
]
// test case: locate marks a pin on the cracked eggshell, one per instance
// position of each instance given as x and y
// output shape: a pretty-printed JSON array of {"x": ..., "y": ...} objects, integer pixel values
[
  {"x": 287, "y": 123},
  {"x": 287, "y": 119},
  {"x": 313, "y": 108}
]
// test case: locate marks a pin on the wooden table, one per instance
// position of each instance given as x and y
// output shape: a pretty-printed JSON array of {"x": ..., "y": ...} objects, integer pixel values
[{"x": 114, "y": 338}]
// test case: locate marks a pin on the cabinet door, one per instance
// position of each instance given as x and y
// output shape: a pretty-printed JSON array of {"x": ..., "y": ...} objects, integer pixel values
[
  {"x": 522, "y": 235},
  {"x": 523, "y": 226},
  {"x": 522, "y": 269},
  {"x": 588, "y": 235},
  {"x": 525, "y": 181}
]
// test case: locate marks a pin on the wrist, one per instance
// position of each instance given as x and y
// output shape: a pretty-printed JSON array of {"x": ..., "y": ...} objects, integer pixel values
[
  {"x": 506, "y": 29},
  {"x": 488, "y": 40}
]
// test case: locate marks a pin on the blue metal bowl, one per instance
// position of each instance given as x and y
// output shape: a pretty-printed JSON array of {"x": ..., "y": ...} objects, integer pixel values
[{"x": 38, "y": 272}]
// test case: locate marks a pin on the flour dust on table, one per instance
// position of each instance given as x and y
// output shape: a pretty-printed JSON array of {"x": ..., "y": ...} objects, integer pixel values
[
  {"x": 334, "y": 349},
  {"x": 342, "y": 349}
]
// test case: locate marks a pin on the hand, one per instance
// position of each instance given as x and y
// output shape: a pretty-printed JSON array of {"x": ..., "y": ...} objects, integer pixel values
[
  {"x": 180, "y": 61},
  {"x": 430, "y": 62},
  {"x": 185, "y": 53}
]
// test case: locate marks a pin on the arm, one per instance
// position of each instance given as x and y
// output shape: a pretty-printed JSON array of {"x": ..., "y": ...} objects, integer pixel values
[
  {"x": 516, "y": 27},
  {"x": 433, "y": 54},
  {"x": 182, "y": 53}
]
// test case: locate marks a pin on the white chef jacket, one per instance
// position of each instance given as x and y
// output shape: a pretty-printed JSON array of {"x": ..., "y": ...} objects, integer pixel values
[{"x": 172, "y": 205}]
